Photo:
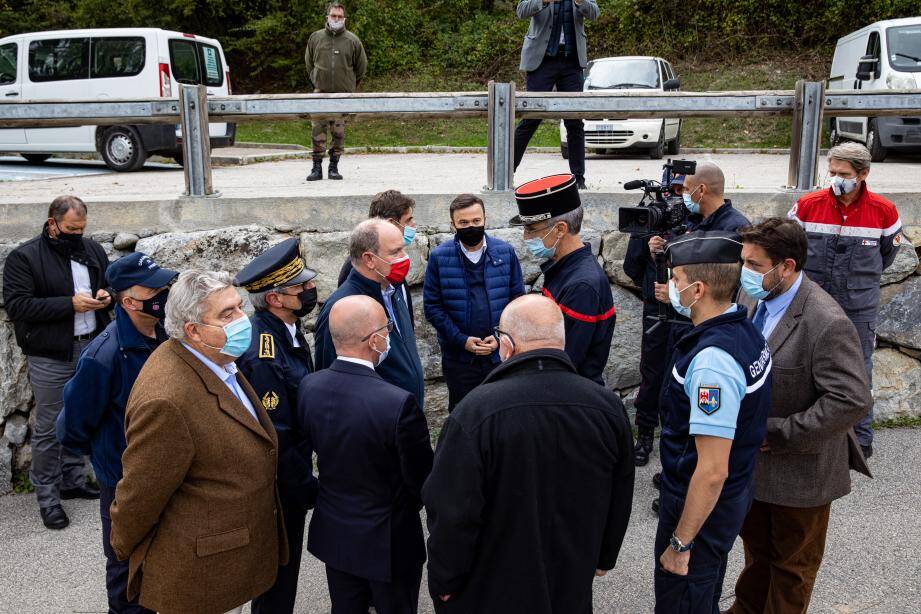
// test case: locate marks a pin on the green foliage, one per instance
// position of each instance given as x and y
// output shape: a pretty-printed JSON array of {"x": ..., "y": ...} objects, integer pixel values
[
  {"x": 21, "y": 483},
  {"x": 461, "y": 40}
]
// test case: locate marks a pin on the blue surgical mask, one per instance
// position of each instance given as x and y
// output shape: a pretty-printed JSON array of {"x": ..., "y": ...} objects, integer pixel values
[
  {"x": 674, "y": 296},
  {"x": 753, "y": 283},
  {"x": 538, "y": 249},
  {"x": 689, "y": 203},
  {"x": 409, "y": 233},
  {"x": 239, "y": 334},
  {"x": 382, "y": 356},
  {"x": 841, "y": 186}
]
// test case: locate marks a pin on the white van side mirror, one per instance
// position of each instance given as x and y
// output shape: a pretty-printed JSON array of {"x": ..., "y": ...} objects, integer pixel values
[{"x": 868, "y": 68}]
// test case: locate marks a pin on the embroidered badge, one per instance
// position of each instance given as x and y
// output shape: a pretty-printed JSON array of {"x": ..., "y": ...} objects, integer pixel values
[
  {"x": 266, "y": 346},
  {"x": 708, "y": 399},
  {"x": 897, "y": 239},
  {"x": 270, "y": 400},
  {"x": 868, "y": 243}
]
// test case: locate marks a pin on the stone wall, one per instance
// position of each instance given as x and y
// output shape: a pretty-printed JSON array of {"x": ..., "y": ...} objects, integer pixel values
[{"x": 227, "y": 235}]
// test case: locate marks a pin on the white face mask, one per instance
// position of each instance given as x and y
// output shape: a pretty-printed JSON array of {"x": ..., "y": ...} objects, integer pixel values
[
  {"x": 841, "y": 186},
  {"x": 335, "y": 24}
]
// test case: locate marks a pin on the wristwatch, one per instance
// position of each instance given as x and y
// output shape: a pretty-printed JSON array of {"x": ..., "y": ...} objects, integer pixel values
[{"x": 676, "y": 544}]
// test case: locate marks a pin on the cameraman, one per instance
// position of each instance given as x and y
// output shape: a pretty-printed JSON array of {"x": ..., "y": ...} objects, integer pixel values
[{"x": 640, "y": 266}]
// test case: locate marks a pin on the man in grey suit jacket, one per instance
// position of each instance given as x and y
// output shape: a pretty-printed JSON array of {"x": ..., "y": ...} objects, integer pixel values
[
  {"x": 819, "y": 392},
  {"x": 553, "y": 56}
]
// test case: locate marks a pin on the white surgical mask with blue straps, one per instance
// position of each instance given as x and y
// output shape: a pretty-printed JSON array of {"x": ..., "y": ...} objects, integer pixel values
[{"x": 689, "y": 203}]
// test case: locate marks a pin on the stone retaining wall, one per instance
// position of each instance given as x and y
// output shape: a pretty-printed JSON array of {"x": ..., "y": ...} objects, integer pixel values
[{"x": 226, "y": 235}]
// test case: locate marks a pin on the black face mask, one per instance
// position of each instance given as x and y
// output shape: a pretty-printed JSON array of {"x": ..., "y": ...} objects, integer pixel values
[
  {"x": 71, "y": 241},
  {"x": 308, "y": 299},
  {"x": 156, "y": 305},
  {"x": 471, "y": 235}
]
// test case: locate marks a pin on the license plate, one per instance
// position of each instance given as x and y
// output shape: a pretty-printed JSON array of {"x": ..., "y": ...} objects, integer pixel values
[{"x": 604, "y": 127}]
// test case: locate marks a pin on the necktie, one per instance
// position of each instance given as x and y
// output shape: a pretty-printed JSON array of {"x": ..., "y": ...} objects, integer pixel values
[{"x": 760, "y": 316}]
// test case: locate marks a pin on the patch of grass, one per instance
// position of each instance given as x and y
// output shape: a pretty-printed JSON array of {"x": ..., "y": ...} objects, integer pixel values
[
  {"x": 751, "y": 73},
  {"x": 902, "y": 422},
  {"x": 21, "y": 484}
]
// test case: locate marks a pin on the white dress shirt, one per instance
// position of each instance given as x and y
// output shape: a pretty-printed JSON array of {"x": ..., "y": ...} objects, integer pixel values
[
  {"x": 226, "y": 374},
  {"x": 84, "y": 323},
  {"x": 357, "y": 361},
  {"x": 475, "y": 255},
  {"x": 292, "y": 330}
]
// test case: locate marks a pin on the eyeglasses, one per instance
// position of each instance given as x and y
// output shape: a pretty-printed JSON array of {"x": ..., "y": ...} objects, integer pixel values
[
  {"x": 299, "y": 287},
  {"x": 496, "y": 332},
  {"x": 388, "y": 326}
]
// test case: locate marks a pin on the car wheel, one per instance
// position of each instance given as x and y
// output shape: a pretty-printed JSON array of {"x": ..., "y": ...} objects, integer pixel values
[
  {"x": 674, "y": 146},
  {"x": 35, "y": 158},
  {"x": 658, "y": 151},
  {"x": 178, "y": 156},
  {"x": 877, "y": 151},
  {"x": 564, "y": 150},
  {"x": 122, "y": 149}
]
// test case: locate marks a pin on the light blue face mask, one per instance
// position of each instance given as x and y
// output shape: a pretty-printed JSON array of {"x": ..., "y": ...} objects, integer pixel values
[
  {"x": 753, "y": 283},
  {"x": 538, "y": 249},
  {"x": 689, "y": 203},
  {"x": 239, "y": 334},
  {"x": 382, "y": 356},
  {"x": 409, "y": 233},
  {"x": 674, "y": 296}
]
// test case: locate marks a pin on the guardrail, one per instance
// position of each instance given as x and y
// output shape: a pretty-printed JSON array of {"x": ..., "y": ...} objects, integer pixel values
[{"x": 808, "y": 104}]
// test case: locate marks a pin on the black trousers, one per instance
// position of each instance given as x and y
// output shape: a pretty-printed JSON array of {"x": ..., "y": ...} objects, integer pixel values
[
  {"x": 116, "y": 571},
  {"x": 462, "y": 377},
  {"x": 280, "y": 598},
  {"x": 564, "y": 73},
  {"x": 354, "y": 595},
  {"x": 654, "y": 354},
  {"x": 699, "y": 591}
]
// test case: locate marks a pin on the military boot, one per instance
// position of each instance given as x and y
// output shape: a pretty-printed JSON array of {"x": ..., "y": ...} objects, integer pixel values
[
  {"x": 643, "y": 447},
  {"x": 317, "y": 173},
  {"x": 334, "y": 168}
]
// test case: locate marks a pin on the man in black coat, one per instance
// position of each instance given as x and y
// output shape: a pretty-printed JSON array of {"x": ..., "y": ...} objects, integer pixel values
[
  {"x": 532, "y": 486},
  {"x": 53, "y": 292},
  {"x": 373, "y": 455}
]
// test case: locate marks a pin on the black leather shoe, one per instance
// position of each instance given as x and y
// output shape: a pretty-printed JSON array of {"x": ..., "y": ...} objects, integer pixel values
[
  {"x": 655, "y": 506},
  {"x": 643, "y": 447},
  {"x": 867, "y": 451},
  {"x": 657, "y": 480},
  {"x": 87, "y": 491},
  {"x": 580, "y": 183},
  {"x": 54, "y": 517}
]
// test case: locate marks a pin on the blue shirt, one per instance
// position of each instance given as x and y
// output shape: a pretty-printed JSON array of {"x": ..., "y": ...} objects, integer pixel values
[
  {"x": 715, "y": 371},
  {"x": 388, "y": 303},
  {"x": 777, "y": 306},
  {"x": 228, "y": 375}
]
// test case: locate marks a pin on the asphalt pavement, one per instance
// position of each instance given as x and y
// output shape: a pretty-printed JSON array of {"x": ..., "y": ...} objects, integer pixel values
[{"x": 871, "y": 562}]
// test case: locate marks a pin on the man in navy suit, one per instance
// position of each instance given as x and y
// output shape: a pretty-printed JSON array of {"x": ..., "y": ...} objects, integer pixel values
[{"x": 373, "y": 455}]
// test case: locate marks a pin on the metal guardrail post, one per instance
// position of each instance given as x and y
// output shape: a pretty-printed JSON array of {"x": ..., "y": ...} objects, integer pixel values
[
  {"x": 500, "y": 143},
  {"x": 807, "y": 134},
  {"x": 196, "y": 141}
]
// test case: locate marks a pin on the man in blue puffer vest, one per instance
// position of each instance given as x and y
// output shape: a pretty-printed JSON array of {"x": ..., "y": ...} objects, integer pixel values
[{"x": 468, "y": 283}]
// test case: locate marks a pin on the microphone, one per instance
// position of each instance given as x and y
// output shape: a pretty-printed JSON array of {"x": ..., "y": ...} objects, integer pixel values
[{"x": 636, "y": 183}]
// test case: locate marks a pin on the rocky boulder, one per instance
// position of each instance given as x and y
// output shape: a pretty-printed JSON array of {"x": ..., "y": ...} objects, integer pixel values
[
  {"x": 15, "y": 393},
  {"x": 623, "y": 368},
  {"x": 896, "y": 384},
  {"x": 900, "y": 317},
  {"x": 613, "y": 252},
  {"x": 905, "y": 264}
]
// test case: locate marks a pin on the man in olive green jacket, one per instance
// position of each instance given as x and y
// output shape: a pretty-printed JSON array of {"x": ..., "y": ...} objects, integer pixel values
[{"x": 336, "y": 62}]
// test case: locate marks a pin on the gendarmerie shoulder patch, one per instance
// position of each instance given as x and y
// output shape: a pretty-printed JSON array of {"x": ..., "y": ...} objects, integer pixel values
[
  {"x": 266, "y": 346},
  {"x": 708, "y": 399},
  {"x": 270, "y": 400}
]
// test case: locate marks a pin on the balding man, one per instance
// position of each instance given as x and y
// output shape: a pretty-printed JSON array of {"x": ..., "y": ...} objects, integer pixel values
[
  {"x": 379, "y": 265},
  {"x": 373, "y": 455},
  {"x": 532, "y": 486}
]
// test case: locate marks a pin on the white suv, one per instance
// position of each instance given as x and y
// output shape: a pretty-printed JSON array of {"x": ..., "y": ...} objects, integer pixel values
[{"x": 631, "y": 74}]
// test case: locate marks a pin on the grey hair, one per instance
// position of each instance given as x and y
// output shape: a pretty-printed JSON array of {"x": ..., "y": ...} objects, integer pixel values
[
  {"x": 62, "y": 204},
  {"x": 573, "y": 220},
  {"x": 258, "y": 299},
  {"x": 854, "y": 154},
  {"x": 365, "y": 238},
  {"x": 188, "y": 295}
]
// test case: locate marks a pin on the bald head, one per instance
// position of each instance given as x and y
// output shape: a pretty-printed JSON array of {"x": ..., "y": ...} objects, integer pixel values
[
  {"x": 533, "y": 322},
  {"x": 353, "y": 318},
  {"x": 710, "y": 175}
]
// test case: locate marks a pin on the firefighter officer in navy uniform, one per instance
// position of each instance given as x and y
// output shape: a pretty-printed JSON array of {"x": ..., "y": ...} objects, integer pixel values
[
  {"x": 715, "y": 404},
  {"x": 281, "y": 291},
  {"x": 551, "y": 212}
]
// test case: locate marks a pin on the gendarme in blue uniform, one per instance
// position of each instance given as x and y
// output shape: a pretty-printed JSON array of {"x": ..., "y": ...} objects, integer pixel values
[{"x": 718, "y": 384}]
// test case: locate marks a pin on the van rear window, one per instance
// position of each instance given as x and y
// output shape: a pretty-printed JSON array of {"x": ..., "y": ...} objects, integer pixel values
[
  {"x": 118, "y": 57},
  {"x": 59, "y": 59},
  {"x": 195, "y": 63},
  {"x": 8, "y": 63}
]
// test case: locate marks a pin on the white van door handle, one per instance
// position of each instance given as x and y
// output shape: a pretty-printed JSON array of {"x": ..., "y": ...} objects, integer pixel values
[{"x": 12, "y": 93}]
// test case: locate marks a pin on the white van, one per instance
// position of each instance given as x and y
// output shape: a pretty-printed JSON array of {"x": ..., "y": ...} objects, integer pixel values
[
  {"x": 883, "y": 56},
  {"x": 632, "y": 74},
  {"x": 101, "y": 64}
]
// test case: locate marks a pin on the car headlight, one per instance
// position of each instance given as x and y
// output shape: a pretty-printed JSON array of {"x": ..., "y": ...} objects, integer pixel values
[{"x": 895, "y": 82}]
